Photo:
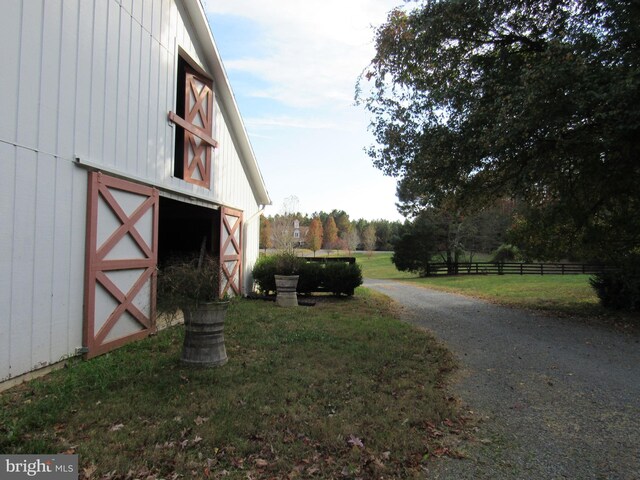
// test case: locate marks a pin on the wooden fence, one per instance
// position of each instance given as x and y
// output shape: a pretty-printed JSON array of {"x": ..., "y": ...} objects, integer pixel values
[
  {"x": 487, "y": 268},
  {"x": 350, "y": 260}
]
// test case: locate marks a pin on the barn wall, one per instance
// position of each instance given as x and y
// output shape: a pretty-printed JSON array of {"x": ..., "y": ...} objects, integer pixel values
[
  {"x": 230, "y": 179},
  {"x": 96, "y": 81},
  {"x": 93, "y": 80},
  {"x": 42, "y": 262}
]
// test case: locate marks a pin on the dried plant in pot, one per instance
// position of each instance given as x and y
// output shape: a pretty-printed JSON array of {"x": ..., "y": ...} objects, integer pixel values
[
  {"x": 287, "y": 268},
  {"x": 191, "y": 284}
]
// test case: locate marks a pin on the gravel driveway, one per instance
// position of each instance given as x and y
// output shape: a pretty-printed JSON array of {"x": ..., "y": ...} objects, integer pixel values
[{"x": 556, "y": 397}]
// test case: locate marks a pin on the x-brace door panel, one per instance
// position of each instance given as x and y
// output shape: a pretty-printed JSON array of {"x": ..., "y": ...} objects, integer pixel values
[
  {"x": 121, "y": 258},
  {"x": 230, "y": 252}
]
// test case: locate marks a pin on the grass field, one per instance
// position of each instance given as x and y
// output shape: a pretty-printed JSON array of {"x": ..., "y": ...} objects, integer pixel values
[
  {"x": 339, "y": 390},
  {"x": 569, "y": 294}
]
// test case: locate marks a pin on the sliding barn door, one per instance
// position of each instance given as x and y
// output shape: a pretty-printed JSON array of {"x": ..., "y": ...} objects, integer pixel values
[
  {"x": 230, "y": 252},
  {"x": 121, "y": 258}
]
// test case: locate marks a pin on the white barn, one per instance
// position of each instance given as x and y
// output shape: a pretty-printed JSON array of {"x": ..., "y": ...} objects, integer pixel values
[{"x": 121, "y": 144}]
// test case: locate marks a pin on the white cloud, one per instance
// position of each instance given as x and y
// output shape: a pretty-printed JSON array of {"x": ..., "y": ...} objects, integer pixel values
[
  {"x": 315, "y": 48},
  {"x": 305, "y": 56}
]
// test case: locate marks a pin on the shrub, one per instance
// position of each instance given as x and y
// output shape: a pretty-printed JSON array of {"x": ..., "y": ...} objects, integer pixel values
[
  {"x": 619, "y": 289},
  {"x": 506, "y": 253},
  {"x": 263, "y": 274},
  {"x": 341, "y": 278},
  {"x": 279, "y": 264},
  {"x": 288, "y": 263},
  {"x": 338, "y": 278},
  {"x": 311, "y": 276}
]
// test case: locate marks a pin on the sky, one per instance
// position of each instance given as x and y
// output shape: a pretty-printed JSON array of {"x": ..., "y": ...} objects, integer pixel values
[{"x": 293, "y": 67}]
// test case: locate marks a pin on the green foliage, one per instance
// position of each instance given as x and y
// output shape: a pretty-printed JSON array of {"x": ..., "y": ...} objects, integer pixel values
[
  {"x": 283, "y": 263},
  {"x": 311, "y": 276},
  {"x": 473, "y": 101},
  {"x": 339, "y": 278},
  {"x": 263, "y": 274},
  {"x": 620, "y": 290},
  {"x": 506, "y": 253},
  {"x": 417, "y": 244},
  {"x": 438, "y": 231},
  {"x": 287, "y": 263}
]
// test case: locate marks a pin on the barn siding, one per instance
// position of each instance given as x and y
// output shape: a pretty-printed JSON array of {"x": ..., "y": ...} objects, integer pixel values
[
  {"x": 94, "y": 80},
  {"x": 7, "y": 213}
]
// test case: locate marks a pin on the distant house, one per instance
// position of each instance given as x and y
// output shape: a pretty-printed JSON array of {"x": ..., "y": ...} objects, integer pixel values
[
  {"x": 299, "y": 234},
  {"x": 121, "y": 144}
]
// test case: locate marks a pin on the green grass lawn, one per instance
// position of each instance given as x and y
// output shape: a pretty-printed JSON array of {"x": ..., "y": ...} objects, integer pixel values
[
  {"x": 378, "y": 265},
  {"x": 570, "y": 294},
  {"x": 567, "y": 294},
  {"x": 339, "y": 390}
]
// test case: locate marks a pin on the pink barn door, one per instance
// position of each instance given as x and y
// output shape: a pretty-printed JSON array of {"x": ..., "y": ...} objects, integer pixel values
[
  {"x": 230, "y": 252},
  {"x": 121, "y": 258}
]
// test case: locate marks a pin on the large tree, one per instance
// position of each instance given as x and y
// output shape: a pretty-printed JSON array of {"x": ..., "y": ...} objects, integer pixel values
[
  {"x": 314, "y": 235},
  {"x": 534, "y": 100},
  {"x": 417, "y": 244},
  {"x": 330, "y": 233},
  {"x": 369, "y": 238},
  {"x": 265, "y": 233}
]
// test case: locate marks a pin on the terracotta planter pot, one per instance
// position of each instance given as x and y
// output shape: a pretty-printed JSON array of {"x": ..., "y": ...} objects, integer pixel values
[
  {"x": 204, "y": 335},
  {"x": 286, "y": 295}
]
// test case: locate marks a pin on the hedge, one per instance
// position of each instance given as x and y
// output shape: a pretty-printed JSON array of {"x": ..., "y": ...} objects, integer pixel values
[
  {"x": 620, "y": 289},
  {"x": 338, "y": 278}
]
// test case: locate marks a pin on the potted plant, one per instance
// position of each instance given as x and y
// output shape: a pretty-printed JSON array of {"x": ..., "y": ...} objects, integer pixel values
[
  {"x": 191, "y": 284},
  {"x": 287, "y": 267}
]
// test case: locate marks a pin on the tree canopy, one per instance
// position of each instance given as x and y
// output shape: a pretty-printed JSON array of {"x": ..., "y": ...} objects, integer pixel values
[
  {"x": 314, "y": 235},
  {"x": 417, "y": 245},
  {"x": 533, "y": 100},
  {"x": 330, "y": 233}
]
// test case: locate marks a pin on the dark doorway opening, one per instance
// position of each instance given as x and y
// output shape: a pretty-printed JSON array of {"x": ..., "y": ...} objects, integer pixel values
[{"x": 182, "y": 228}]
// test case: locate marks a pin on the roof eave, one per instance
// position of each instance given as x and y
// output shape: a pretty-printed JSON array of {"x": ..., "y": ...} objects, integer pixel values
[{"x": 227, "y": 98}]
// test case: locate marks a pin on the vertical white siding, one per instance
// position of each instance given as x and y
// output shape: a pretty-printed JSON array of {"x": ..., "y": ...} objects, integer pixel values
[
  {"x": 10, "y": 29},
  {"x": 68, "y": 76},
  {"x": 7, "y": 214},
  {"x": 93, "y": 79},
  {"x": 42, "y": 268},
  {"x": 28, "y": 88},
  {"x": 50, "y": 72}
]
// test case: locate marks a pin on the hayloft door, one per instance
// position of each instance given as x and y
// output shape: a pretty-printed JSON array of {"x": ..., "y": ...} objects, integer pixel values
[
  {"x": 230, "y": 252},
  {"x": 121, "y": 258},
  {"x": 195, "y": 117}
]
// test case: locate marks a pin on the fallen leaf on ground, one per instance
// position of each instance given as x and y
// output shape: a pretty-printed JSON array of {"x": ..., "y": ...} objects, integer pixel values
[
  {"x": 200, "y": 420},
  {"x": 355, "y": 441}
]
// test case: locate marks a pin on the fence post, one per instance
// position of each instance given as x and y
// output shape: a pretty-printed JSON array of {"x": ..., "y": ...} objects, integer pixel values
[{"x": 542, "y": 269}]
